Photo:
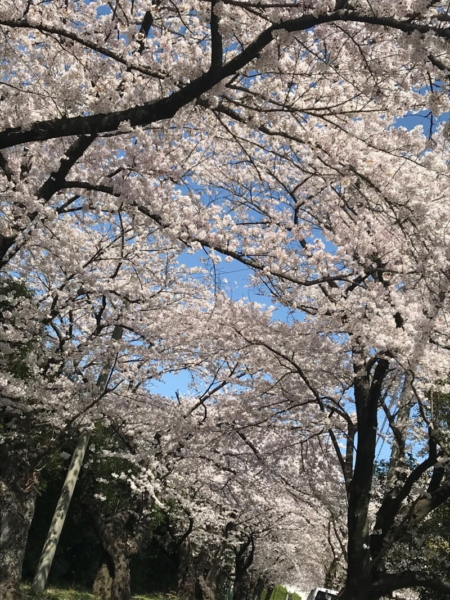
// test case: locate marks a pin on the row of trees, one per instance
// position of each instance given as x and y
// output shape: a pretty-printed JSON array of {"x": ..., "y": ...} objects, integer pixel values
[
  {"x": 263, "y": 133},
  {"x": 205, "y": 541},
  {"x": 236, "y": 512}
]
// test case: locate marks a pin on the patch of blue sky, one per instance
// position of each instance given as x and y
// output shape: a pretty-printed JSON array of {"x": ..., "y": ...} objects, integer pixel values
[
  {"x": 103, "y": 9},
  {"x": 234, "y": 279},
  {"x": 172, "y": 384},
  {"x": 423, "y": 118}
]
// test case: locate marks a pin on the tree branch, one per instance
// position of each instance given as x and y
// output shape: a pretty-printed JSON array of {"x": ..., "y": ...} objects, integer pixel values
[
  {"x": 167, "y": 107},
  {"x": 70, "y": 35},
  {"x": 396, "y": 581},
  {"x": 216, "y": 38},
  {"x": 56, "y": 180},
  {"x": 390, "y": 507}
]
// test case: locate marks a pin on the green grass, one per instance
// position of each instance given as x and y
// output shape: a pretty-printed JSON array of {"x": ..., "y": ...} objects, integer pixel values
[
  {"x": 57, "y": 594},
  {"x": 53, "y": 593}
]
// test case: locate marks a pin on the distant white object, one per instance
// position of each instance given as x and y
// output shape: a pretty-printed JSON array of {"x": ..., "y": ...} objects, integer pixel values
[{"x": 322, "y": 594}]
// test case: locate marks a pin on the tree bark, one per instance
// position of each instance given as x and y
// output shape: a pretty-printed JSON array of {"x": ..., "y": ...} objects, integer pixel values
[
  {"x": 198, "y": 576},
  {"x": 59, "y": 517},
  {"x": 121, "y": 583},
  {"x": 367, "y": 397},
  {"x": 206, "y": 589},
  {"x": 242, "y": 589},
  {"x": 258, "y": 589},
  {"x": 62, "y": 508},
  {"x": 245, "y": 588},
  {"x": 103, "y": 579},
  {"x": 330, "y": 576},
  {"x": 396, "y": 581},
  {"x": 113, "y": 581},
  {"x": 17, "y": 503},
  {"x": 186, "y": 573},
  {"x": 121, "y": 537},
  {"x": 209, "y": 569}
]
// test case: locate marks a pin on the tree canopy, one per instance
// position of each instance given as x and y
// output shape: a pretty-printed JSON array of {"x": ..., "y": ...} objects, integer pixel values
[{"x": 271, "y": 134}]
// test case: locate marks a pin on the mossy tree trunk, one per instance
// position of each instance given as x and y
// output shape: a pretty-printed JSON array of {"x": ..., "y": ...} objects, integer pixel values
[
  {"x": 121, "y": 536},
  {"x": 104, "y": 578}
]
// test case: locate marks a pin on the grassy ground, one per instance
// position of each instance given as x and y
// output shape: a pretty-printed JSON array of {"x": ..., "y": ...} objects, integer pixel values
[{"x": 76, "y": 594}]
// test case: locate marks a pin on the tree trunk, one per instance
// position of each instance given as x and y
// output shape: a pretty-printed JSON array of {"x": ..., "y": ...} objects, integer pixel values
[
  {"x": 367, "y": 395},
  {"x": 258, "y": 589},
  {"x": 121, "y": 583},
  {"x": 103, "y": 579},
  {"x": 186, "y": 573},
  {"x": 17, "y": 503},
  {"x": 243, "y": 583},
  {"x": 244, "y": 588},
  {"x": 207, "y": 591},
  {"x": 59, "y": 517},
  {"x": 209, "y": 570},
  {"x": 62, "y": 508},
  {"x": 113, "y": 581},
  {"x": 121, "y": 536},
  {"x": 331, "y": 574}
]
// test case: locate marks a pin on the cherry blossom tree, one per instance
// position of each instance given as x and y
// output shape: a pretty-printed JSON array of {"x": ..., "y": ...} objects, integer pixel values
[
  {"x": 248, "y": 506},
  {"x": 64, "y": 330},
  {"x": 265, "y": 133},
  {"x": 232, "y": 519}
]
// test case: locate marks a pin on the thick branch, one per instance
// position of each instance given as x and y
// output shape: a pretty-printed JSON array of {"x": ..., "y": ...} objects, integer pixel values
[
  {"x": 391, "y": 505},
  {"x": 54, "y": 183},
  {"x": 397, "y": 581},
  {"x": 417, "y": 512},
  {"x": 167, "y": 107},
  {"x": 56, "y": 180},
  {"x": 216, "y": 38}
]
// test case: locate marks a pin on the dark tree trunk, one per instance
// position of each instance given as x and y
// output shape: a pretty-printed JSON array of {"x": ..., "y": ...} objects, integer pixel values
[
  {"x": 258, "y": 589},
  {"x": 198, "y": 576},
  {"x": 17, "y": 503},
  {"x": 244, "y": 588},
  {"x": 186, "y": 573},
  {"x": 367, "y": 396},
  {"x": 243, "y": 584}
]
